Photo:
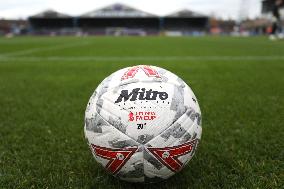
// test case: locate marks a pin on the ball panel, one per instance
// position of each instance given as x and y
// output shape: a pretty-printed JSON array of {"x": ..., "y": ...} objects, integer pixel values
[{"x": 133, "y": 170}]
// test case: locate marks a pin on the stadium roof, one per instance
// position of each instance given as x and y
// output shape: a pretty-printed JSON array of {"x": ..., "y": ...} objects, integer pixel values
[
  {"x": 50, "y": 14},
  {"x": 185, "y": 14},
  {"x": 117, "y": 10}
]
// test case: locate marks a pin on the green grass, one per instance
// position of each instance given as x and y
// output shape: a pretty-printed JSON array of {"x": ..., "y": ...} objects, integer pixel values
[{"x": 45, "y": 84}]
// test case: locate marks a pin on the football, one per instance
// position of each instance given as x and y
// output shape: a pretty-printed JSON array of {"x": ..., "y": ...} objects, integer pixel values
[{"x": 143, "y": 124}]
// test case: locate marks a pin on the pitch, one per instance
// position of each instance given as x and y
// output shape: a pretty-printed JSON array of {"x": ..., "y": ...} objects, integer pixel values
[{"x": 45, "y": 83}]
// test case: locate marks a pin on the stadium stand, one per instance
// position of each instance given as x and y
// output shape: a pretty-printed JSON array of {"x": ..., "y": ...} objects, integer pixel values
[
  {"x": 51, "y": 22},
  {"x": 186, "y": 22},
  {"x": 118, "y": 19}
]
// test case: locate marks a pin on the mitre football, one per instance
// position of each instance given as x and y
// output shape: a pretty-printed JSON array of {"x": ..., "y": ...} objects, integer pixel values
[{"x": 143, "y": 124}]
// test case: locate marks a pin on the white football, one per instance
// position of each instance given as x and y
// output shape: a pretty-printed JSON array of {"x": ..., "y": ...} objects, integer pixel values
[{"x": 143, "y": 124}]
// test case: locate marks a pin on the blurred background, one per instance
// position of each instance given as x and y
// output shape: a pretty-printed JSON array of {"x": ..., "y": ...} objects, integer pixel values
[
  {"x": 52, "y": 58},
  {"x": 139, "y": 18}
]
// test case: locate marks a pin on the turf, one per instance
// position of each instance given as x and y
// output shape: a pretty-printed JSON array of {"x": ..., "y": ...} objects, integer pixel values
[{"x": 45, "y": 84}]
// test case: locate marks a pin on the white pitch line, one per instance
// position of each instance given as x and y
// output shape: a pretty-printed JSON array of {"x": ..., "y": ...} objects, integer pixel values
[
  {"x": 42, "y": 49},
  {"x": 140, "y": 58}
]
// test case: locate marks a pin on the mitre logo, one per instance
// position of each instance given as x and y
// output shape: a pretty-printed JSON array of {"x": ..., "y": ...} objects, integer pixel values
[{"x": 141, "y": 94}]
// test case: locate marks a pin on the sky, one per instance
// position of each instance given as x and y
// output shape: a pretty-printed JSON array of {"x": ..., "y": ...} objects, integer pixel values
[{"x": 226, "y": 9}]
